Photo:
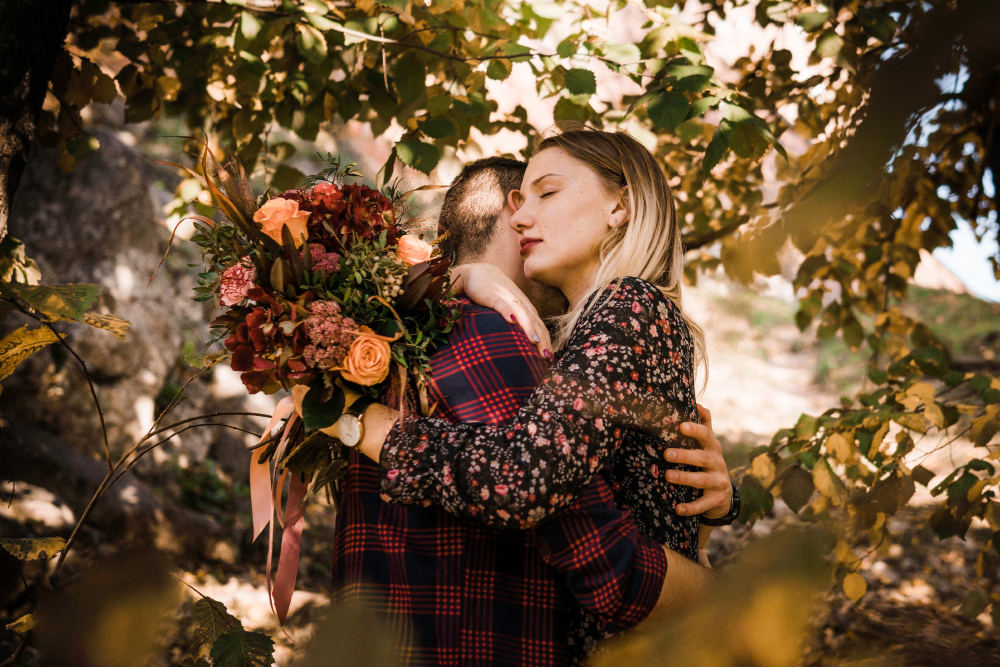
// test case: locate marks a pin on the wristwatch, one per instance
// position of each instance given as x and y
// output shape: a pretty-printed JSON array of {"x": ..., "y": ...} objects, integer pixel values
[
  {"x": 734, "y": 511},
  {"x": 350, "y": 429}
]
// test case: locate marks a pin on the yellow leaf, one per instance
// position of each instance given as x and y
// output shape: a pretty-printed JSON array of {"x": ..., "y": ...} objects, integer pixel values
[
  {"x": 878, "y": 438},
  {"x": 855, "y": 586},
  {"x": 826, "y": 482},
  {"x": 169, "y": 87},
  {"x": 19, "y": 345},
  {"x": 983, "y": 427},
  {"x": 837, "y": 445},
  {"x": 912, "y": 421},
  {"x": 22, "y": 624},
  {"x": 763, "y": 469},
  {"x": 33, "y": 548},
  {"x": 992, "y": 515},
  {"x": 977, "y": 490},
  {"x": 115, "y": 325}
]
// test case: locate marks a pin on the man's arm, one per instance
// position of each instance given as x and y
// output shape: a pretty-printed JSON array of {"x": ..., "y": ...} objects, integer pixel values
[
  {"x": 615, "y": 572},
  {"x": 686, "y": 582}
]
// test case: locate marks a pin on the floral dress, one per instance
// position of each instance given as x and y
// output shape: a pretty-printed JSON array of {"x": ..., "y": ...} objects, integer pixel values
[{"x": 611, "y": 404}]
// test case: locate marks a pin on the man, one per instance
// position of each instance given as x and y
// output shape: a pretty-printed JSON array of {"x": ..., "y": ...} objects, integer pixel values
[{"x": 462, "y": 593}]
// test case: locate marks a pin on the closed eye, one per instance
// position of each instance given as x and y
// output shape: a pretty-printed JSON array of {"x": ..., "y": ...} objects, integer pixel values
[{"x": 547, "y": 194}]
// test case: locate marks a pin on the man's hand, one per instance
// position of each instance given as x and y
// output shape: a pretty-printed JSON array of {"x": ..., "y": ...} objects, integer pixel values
[{"x": 717, "y": 498}]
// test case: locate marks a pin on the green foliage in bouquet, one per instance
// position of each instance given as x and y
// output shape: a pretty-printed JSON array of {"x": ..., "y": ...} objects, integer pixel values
[{"x": 323, "y": 286}]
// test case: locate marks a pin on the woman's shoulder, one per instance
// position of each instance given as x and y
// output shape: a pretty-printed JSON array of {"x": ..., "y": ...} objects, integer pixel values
[
  {"x": 641, "y": 298},
  {"x": 638, "y": 306}
]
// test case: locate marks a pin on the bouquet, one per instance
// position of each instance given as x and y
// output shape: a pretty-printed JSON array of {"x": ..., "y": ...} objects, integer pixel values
[{"x": 323, "y": 287}]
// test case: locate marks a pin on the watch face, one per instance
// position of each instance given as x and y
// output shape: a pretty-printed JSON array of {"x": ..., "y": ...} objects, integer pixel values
[{"x": 349, "y": 430}]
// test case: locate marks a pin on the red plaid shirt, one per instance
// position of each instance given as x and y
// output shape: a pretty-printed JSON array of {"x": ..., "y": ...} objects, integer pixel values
[{"x": 460, "y": 593}]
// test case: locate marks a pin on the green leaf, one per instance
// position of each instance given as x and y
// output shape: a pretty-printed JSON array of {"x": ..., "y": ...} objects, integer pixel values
[
  {"x": 214, "y": 620},
  {"x": 879, "y": 25},
  {"x": 566, "y": 49},
  {"x": 683, "y": 71},
  {"x": 829, "y": 44},
  {"x": 498, "y": 69},
  {"x": 240, "y": 648},
  {"x": 747, "y": 142},
  {"x": 21, "y": 344},
  {"x": 797, "y": 488},
  {"x": 61, "y": 302},
  {"x": 422, "y": 157},
  {"x": 812, "y": 21},
  {"x": 566, "y": 109},
  {"x": 311, "y": 43},
  {"x": 700, "y": 106},
  {"x": 438, "y": 128},
  {"x": 623, "y": 54},
  {"x": 249, "y": 25},
  {"x": 409, "y": 77},
  {"x": 717, "y": 148},
  {"x": 581, "y": 82},
  {"x": 438, "y": 105},
  {"x": 317, "y": 413},
  {"x": 286, "y": 177},
  {"x": 669, "y": 110},
  {"x": 806, "y": 427},
  {"x": 33, "y": 548}
]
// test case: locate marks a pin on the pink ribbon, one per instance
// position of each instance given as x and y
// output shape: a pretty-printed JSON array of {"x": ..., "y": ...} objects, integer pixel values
[{"x": 265, "y": 498}]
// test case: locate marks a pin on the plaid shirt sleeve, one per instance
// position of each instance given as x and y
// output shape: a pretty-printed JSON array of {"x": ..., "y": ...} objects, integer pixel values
[
  {"x": 614, "y": 571},
  {"x": 487, "y": 370}
]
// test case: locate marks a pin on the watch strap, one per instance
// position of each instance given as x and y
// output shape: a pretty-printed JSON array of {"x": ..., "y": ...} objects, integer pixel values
[
  {"x": 358, "y": 407},
  {"x": 734, "y": 512}
]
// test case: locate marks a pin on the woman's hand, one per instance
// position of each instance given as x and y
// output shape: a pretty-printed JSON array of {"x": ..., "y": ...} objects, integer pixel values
[
  {"x": 717, "y": 498},
  {"x": 490, "y": 287}
]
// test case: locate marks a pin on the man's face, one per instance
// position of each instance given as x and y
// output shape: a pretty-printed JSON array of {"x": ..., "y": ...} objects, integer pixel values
[{"x": 505, "y": 253}]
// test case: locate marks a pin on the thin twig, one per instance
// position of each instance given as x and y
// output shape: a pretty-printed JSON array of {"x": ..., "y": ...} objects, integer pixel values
[
  {"x": 16, "y": 655},
  {"x": 83, "y": 365}
]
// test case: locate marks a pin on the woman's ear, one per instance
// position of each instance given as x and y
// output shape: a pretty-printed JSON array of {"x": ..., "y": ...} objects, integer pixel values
[{"x": 619, "y": 214}]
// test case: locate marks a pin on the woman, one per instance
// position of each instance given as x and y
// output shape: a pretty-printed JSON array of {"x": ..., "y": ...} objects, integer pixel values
[{"x": 597, "y": 221}]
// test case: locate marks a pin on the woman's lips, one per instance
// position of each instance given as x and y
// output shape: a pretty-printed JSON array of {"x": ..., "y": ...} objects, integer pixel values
[{"x": 528, "y": 244}]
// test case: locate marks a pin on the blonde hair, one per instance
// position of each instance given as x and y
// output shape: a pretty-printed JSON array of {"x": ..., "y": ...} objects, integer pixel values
[{"x": 648, "y": 245}]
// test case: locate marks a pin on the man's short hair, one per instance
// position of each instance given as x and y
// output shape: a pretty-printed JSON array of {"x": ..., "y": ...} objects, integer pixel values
[{"x": 473, "y": 205}]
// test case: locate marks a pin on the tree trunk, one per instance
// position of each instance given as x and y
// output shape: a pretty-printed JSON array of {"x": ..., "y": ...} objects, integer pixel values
[{"x": 31, "y": 34}]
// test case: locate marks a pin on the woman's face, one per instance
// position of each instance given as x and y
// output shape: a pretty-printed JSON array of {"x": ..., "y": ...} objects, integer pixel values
[{"x": 562, "y": 212}]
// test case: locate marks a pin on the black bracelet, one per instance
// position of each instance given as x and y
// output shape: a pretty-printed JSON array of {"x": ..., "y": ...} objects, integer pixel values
[{"x": 734, "y": 512}]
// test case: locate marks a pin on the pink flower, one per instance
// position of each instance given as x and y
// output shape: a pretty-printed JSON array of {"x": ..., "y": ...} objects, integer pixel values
[
  {"x": 392, "y": 474},
  {"x": 501, "y": 489},
  {"x": 237, "y": 281},
  {"x": 279, "y": 213},
  {"x": 323, "y": 261},
  {"x": 330, "y": 335},
  {"x": 412, "y": 250}
]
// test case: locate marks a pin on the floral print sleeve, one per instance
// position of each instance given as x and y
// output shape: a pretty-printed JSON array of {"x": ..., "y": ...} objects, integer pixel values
[{"x": 615, "y": 396}]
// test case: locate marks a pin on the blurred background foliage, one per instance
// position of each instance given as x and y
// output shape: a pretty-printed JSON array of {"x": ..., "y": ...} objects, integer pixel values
[{"x": 841, "y": 169}]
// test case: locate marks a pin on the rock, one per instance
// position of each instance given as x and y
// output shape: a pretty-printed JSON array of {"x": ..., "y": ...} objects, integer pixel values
[{"x": 98, "y": 225}]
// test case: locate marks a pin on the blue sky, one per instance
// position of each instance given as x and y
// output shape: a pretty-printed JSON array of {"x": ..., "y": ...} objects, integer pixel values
[{"x": 969, "y": 260}]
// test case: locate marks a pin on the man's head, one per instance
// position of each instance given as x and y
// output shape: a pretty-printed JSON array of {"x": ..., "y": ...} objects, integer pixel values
[
  {"x": 475, "y": 206},
  {"x": 476, "y": 216}
]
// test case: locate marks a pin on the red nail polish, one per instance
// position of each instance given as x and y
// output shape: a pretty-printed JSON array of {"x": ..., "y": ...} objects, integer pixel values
[
  {"x": 513, "y": 318},
  {"x": 548, "y": 354}
]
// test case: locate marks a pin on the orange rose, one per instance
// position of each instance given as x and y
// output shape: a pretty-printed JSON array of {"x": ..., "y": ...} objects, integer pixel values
[
  {"x": 278, "y": 213},
  {"x": 412, "y": 250},
  {"x": 367, "y": 362}
]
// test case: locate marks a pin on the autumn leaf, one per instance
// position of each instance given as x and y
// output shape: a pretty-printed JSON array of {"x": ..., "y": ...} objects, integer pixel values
[
  {"x": 213, "y": 620},
  {"x": 58, "y": 302},
  {"x": 33, "y": 548},
  {"x": 20, "y": 344},
  {"x": 22, "y": 624},
  {"x": 855, "y": 586}
]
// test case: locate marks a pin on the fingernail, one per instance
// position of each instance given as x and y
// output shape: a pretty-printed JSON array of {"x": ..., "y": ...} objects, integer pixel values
[
  {"x": 548, "y": 354},
  {"x": 670, "y": 455},
  {"x": 671, "y": 477},
  {"x": 535, "y": 337},
  {"x": 513, "y": 318},
  {"x": 682, "y": 510},
  {"x": 685, "y": 428}
]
